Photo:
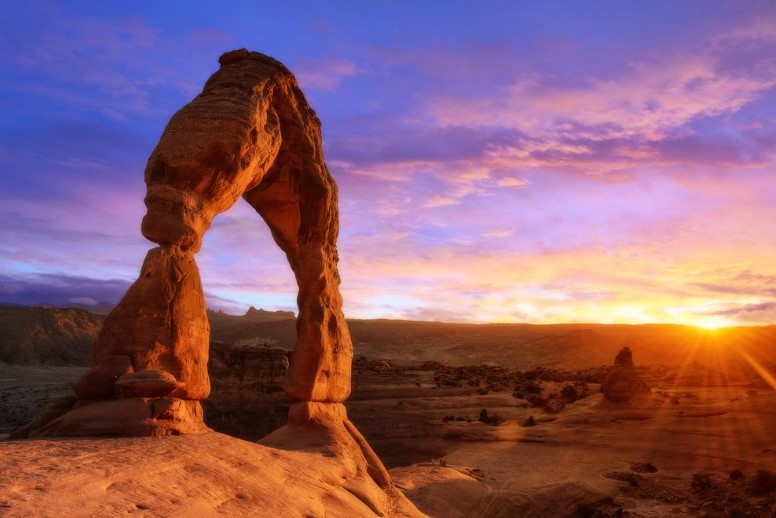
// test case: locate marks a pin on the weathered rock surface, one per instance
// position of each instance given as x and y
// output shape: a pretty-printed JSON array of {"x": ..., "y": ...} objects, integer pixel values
[
  {"x": 148, "y": 383},
  {"x": 194, "y": 475},
  {"x": 160, "y": 324},
  {"x": 624, "y": 382},
  {"x": 127, "y": 417},
  {"x": 98, "y": 382}
]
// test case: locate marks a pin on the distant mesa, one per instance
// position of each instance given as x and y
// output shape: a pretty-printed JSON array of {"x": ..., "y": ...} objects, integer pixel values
[
  {"x": 624, "y": 382},
  {"x": 264, "y": 314}
]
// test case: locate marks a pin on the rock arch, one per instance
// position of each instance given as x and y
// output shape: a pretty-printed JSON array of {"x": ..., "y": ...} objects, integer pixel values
[{"x": 250, "y": 133}]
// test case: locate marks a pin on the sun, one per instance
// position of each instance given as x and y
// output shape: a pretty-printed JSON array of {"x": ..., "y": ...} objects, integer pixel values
[{"x": 711, "y": 324}]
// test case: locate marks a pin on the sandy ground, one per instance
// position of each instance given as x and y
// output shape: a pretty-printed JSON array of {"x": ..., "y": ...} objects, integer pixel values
[
  {"x": 25, "y": 390},
  {"x": 582, "y": 461},
  {"x": 586, "y": 457},
  {"x": 27, "y": 376}
]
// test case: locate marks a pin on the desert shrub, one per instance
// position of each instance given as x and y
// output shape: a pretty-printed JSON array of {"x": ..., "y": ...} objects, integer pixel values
[
  {"x": 569, "y": 394},
  {"x": 643, "y": 467},
  {"x": 536, "y": 401},
  {"x": 483, "y": 391},
  {"x": 529, "y": 422},
  {"x": 762, "y": 483},
  {"x": 736, "y": 474},
  {"x": 533, "y": 388},
  {"x": 518, "y": 394},
  {"x": 701, "y": 481},
  {"x": 584, "y": 510},
  {"x": 492, "y": 420}
]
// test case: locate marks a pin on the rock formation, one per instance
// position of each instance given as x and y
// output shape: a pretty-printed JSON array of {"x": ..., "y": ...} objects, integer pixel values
[
  {"x": 261, "y": 315},
  {"x": 623, "y": 382},
  {"x": 250, "y": 133}
]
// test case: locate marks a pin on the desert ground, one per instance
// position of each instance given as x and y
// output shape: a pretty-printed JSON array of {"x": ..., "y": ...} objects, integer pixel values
[{"x": 700, "y": 444}]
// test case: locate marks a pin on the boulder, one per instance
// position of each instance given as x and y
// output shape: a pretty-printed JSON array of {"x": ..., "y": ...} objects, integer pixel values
[{"x": 148, "y": 383}]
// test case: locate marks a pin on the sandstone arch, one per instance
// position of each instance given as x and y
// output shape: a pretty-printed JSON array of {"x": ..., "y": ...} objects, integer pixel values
[{"x": 250, "y": 133}]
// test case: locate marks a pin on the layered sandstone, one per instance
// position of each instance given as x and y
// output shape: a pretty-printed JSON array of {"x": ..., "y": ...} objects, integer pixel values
[{"x": 159, "y": 325}]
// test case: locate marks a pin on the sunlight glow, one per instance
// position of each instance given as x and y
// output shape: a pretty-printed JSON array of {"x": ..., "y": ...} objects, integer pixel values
[
  {"x": 712, "y": 324},
  {"x": 762, "y": 371}
]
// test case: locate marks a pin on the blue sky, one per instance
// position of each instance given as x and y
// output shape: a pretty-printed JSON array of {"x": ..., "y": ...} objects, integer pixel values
[{"x": 539, "y": 162}]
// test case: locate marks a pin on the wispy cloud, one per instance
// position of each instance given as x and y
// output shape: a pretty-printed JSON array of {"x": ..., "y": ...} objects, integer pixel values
[
  {"x": 324, "y": 74},
  {"x": 512, "y": 182},
  {"x": 533, "y": 173},
  {"x": 648, "y": 101},
  {"x": 60, "y": 290},
  {"x": 498, "y": 234}
]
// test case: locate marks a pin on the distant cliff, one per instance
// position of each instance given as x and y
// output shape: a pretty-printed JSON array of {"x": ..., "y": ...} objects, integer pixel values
[
  {"x": 247, "y": 398},
  {"x": 65, "y": 335},
  {"x": 46, "y": 335}
]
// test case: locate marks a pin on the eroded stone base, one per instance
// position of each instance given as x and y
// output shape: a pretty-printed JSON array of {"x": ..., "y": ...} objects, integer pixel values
[
  {"x": 127, "y": 417},
  {"x": 316, "y": 425}
]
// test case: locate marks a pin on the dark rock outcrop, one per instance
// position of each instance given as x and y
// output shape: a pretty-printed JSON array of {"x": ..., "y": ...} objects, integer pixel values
[
  {"x": 47, "y": 335},
  {"x": 624, "y": 382},
  {"x": 262, "y": 315}
]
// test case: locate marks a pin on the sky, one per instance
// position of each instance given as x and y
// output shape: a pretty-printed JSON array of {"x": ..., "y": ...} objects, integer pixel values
[{"x": 498, "y": 161}]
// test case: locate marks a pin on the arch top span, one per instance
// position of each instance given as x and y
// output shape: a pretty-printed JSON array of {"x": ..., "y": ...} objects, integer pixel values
[{"x": 249, "y": 133}]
